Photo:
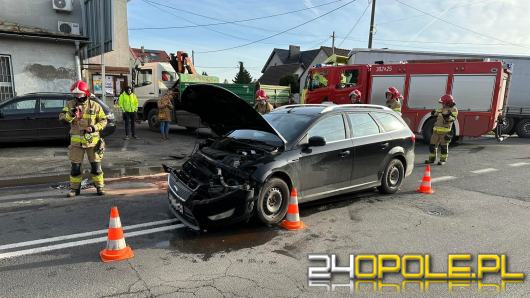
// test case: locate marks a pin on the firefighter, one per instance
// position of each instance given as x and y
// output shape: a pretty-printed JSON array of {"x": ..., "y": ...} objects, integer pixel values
[
  {"x": 393, "y": 99},
  {"x": 355, "y": 96},
  {"x": 128, "y": 103},
  {"x": 441, "y": 132},
  {"x": 262, "y": 105},
  {"x": 87, "y": 119}
]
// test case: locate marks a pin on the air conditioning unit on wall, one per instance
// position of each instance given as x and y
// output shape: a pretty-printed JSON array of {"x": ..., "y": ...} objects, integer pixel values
[
  {"x": 68, "y": 28},
  {"x": 62, "y": 5}
]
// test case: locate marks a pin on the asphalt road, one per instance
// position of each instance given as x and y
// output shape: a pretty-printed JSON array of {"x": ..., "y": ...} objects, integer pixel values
[{"x": 481, "y": 204}]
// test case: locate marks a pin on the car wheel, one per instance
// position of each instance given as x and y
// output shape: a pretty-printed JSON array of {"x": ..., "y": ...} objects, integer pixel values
[
  {"x": 392, "y": 177},
  {"x": 272, "y": 201},
  {"x": 152, "y": 119}
]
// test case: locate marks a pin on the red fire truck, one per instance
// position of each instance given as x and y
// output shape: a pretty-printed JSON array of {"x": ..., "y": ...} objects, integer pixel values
[{"x": 480, "y": 89}]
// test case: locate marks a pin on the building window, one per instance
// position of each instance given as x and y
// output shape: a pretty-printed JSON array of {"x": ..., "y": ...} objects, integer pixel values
[{"x": 6, "y": 78}]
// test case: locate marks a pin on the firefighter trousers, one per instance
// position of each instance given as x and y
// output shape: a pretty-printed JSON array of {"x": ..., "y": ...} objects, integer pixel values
[
  {"x": 77, "y": 154},
  {"x": 442, "y": 140}
]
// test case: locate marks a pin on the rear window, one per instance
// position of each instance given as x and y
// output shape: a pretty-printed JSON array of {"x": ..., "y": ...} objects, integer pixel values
[
  {"x": 388, "y": 121},
  {"x": 363, "y": 125}
]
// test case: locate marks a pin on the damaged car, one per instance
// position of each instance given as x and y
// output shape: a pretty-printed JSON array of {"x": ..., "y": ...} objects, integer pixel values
[{"x": 250, "y": 167}]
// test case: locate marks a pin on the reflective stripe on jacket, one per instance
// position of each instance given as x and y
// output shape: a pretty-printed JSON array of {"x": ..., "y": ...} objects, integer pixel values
[
  {"x": 128, "y": 103},
  {"x": 92, "y": 116},
  {"x": 445, "y": 117}
]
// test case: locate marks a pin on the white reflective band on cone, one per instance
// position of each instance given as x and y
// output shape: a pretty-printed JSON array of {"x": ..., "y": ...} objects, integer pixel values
[
  {"x": 116, "y": 244},
  {"x": 293, "y": 217},
  {"x": 293, "y": 200},
  {"x": 114, "y": 222}
]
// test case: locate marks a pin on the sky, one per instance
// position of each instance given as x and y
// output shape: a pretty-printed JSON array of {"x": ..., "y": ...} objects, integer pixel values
[{"x": 472, "y": 26}]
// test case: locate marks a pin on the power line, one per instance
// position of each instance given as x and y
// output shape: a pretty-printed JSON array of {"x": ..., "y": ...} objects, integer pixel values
[
  {"x": 459, "y": 26},
  {"x": 207, "y": 28},
  {"x": 355, "y": 25},
  {"x": 282, "y": 32},
  {"x": 221, "y": 22}
]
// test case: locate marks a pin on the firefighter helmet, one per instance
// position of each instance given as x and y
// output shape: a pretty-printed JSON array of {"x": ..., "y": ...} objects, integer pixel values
[
  {"x": 394, "y": 92},
  {"x": 447, "y": 100},
  {"x": 356, "y": 92},
  {"x": 80, "y": 89},
  {"x": 261, "y": 94}
]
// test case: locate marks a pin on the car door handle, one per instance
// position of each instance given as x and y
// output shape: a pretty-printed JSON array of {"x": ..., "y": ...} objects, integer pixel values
[
  {"x": 344, "y": 153},
  {"x": 151, "y": 93},
  {"x": 384, "y": 145},
  {"x": 30, "y": 118}
]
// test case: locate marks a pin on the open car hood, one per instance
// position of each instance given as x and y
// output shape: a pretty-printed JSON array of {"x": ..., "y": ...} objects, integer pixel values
[{"x": 223, "y": 111}]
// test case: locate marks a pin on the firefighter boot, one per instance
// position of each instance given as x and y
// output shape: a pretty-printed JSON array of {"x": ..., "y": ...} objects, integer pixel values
[
  {"x": 100, "y": 191},
  {"x": 444, "y": 150},
  {"x": 75, "y": 180},
  {"x": 432, "y": 154},
  {"x": 97, "y": 177},
  {"x": 73, "y": 192}
]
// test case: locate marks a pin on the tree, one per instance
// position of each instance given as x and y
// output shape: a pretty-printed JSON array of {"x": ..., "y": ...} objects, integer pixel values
[
  {"x": 204, "y": 73},
  {"x": 291, "y": 80},
  {"x": 243, "y": 76}
]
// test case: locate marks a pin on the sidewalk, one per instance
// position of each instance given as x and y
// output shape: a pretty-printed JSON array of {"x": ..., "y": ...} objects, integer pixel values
[{"x": 47, "y": 162}]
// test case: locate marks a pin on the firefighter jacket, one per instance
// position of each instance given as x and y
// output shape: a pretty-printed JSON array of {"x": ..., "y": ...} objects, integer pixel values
[
  {"x": 263, "y": 107},
  {"x": 165, "y": 106},
  {"x": 91, "y": 115},
  {"x": 394, "y": 104},
  {"x": 445, "y": 117},
  {"x": 128, "y": 102}
]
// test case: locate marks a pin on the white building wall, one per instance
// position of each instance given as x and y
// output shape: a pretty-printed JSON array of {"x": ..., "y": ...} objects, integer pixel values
[{"x": 40, "y": 67}]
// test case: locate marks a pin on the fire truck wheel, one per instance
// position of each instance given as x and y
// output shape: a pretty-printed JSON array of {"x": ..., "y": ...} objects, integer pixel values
[
  {"x": 508, "y": 127},
  {"x": 523, "y": 128},
  {"x": 426, "y": 131}
]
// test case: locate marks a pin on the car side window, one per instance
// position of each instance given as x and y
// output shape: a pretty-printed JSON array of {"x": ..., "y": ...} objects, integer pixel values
[
  {"x": 51, "y": 105},
  {"x": 388, "y": 121},
  {"x": 20, "y": 107},
  {"x": 331, "y": 128},
  {"x": 363, "y": 125}
]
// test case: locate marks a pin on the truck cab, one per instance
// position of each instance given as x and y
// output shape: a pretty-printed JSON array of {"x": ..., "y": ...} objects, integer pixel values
[
  {"x": 335, "y": 83},
  {"x": 151, "y": 80}
]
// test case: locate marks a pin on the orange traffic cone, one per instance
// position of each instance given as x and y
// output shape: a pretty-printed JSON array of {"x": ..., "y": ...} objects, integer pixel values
[
  {"x": 292, "y": 221},
  {"x": 425, "y": 186},
  {"x": 116, "y": 249}
]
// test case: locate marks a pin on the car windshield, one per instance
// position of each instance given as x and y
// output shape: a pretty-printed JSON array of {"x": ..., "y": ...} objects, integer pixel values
[{"x": 289, "y": 126}]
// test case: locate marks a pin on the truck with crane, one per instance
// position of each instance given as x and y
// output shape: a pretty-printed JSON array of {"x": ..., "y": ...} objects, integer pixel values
[
  {"x": 153, "y": 80},
  {"x": 479, "y": 86}
]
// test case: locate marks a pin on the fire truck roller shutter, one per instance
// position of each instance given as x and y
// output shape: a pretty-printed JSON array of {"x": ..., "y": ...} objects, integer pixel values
[{"x": 380, "y": 85}]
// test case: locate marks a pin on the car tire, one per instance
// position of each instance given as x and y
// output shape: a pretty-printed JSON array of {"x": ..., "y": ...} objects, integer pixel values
[
  {"x": 393, "y": 176},
  {"x": 152, "y": 119},
  {"x": 269, "y": 210},
  {"x": 523, "y": 128}
]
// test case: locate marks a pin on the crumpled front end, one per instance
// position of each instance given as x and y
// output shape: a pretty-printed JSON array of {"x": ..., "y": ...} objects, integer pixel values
[{"x": 211, "y": 189}]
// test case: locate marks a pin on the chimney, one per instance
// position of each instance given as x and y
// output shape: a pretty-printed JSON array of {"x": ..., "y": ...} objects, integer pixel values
[{"x": 294, "y": 52}]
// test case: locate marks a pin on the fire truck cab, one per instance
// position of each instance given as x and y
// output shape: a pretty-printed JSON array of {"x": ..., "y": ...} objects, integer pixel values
[{"x": 479, "y": 88}]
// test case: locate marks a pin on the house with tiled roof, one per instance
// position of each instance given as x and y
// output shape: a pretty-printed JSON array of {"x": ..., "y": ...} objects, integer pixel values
[{"x": 282, "y": 62}]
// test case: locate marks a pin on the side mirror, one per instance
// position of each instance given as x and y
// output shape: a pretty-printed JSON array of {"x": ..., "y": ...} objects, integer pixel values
[{"x": 316, "y": 141}]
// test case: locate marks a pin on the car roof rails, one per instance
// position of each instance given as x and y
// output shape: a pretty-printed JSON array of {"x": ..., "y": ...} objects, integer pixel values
[
  {"x": 300, "y": 106},
  {"x": 330, "y": 108}
]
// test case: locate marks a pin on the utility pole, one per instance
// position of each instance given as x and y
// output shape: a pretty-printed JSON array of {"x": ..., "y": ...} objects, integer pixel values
[
  {"x": 102, "y": 48},
  {"x": 193, "y": 57},
  {"x": 371, "y": 25},
  {"x": 333, "y": 43}
]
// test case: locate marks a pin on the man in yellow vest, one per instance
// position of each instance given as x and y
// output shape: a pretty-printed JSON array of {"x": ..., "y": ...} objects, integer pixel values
[
  {"x": 441, "y": 132},
  {"x": 87, "y": 119},
  {"x": 128, "y": 103}
]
